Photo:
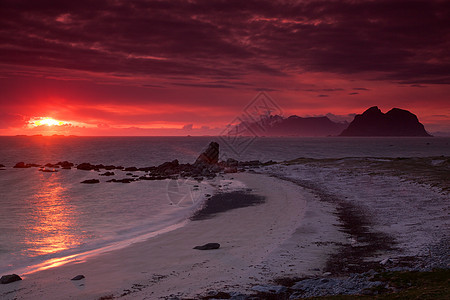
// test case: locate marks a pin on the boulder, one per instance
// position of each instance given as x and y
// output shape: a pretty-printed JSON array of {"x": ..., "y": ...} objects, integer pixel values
[
  {"x": 91, "y": 181},
  {"x": 65, "y": 164},
  {"x": 209, "y": 246},
  {"x": 210, "y": 156},
  {"x": 125, "y": 180},
  {"x": 131, "y": 169},
  {"x": 21, "y": 165},
  {"x": 78, "y": 277},
  {"x": 168, "y": 168},
  {"x": 50, "y": 165},
  {"x": 107, "y": 174},
  {"x": 85, "y": 167},
  {"x": 9, "y": 278}
]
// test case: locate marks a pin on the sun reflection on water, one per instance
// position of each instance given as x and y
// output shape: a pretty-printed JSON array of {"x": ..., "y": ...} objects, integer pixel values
[{"x": 53, "y": 225}]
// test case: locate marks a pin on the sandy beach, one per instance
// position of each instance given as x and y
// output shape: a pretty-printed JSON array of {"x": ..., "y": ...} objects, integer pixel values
[{"x": 257, "y": 243}]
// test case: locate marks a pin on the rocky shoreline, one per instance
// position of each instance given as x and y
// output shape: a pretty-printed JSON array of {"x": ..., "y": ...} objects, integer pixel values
[{"x": 206, "y": 166}]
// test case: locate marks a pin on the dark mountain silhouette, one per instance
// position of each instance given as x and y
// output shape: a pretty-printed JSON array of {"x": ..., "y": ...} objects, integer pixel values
[
  {"x": 396, "y": 122},
  {"x": 291, "y": 126}
]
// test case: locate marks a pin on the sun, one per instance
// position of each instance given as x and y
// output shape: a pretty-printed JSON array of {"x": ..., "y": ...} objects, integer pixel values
[{"x": 46, "y": 121}]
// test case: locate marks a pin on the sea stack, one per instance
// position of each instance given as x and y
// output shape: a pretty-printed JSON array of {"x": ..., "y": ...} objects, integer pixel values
[
  {"x": 210, "y": 156},
  {"x": 396, "y": 122}
]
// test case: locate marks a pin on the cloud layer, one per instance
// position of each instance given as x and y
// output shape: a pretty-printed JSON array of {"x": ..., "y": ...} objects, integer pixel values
[{"x": 157, "y": 52}]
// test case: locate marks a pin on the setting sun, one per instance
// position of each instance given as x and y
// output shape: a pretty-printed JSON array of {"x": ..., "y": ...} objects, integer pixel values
[{"x": 46, "y": 121}]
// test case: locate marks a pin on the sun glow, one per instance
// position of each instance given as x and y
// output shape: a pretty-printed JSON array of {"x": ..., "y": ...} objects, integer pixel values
[{"x": 46, "y": 121}]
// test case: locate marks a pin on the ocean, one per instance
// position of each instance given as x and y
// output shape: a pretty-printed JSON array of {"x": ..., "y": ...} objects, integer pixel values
[{"x": 47, "y": 219}]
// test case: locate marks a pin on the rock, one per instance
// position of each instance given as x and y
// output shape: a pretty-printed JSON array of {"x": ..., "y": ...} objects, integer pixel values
[
  {"x": 209, "y": 246},
  {"x": 125, "y": 180},
  {"x": 385, "y": 261},
  {"x": 396, "y": 122},
  {"x": 272, "y": 289},
  {"x": 131, "y": 169},
  {"x": 78, "y": 277},
  {"x": 65, "y": 164},
  {"x": 2, "y": 166},
  {"x": 251, "y": 163},
  {"x": 210, "y": 156},
  {"x": 21, "y": 165},
  {"x": 276, "y": 125},
  {"x": 91, "y": 181},
  {"x": 5, "y": 279},
  {"x": 107, "y": 174},
  {"x": 50, "y": 165},
  {"x": 169, "y": 167},
  {"x": 85, "y": 167}
]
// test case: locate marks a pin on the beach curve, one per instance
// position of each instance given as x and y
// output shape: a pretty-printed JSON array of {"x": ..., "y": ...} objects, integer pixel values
[{"x": 258, "y": 243}]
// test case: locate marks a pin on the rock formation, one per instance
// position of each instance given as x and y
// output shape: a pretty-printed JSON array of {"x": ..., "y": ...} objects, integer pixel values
[
  {"x": 210, "y": 156},
  {"x": 291, "y": 126},
  {"x": 396, "y": 122}
]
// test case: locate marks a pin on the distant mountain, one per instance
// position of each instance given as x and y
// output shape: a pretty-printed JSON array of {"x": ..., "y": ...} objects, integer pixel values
[
  {"x": 291, "y": 126},
  {"x": 396, "y": 122}
]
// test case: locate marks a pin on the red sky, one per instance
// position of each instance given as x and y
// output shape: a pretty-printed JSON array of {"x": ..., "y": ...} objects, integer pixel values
[{"x": 190, "y": 67}]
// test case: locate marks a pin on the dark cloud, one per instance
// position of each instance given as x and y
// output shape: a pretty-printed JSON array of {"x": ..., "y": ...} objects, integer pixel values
[
  {"x": 404, "y": 41},
  {"x": 332, "y": 90},
  {"x": 188, "y": 127},
  {"x": 204, "y": 85}
]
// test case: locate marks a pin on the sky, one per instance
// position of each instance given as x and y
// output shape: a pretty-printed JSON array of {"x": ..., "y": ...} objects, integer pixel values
[{"x": 186, "y": 67}]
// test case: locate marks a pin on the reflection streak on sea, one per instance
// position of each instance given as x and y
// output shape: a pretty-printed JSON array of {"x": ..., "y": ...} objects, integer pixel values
[{"x": 52, "y": 225}]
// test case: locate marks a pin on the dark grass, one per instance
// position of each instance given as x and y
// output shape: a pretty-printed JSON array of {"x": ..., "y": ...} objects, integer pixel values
[{"x": 226, "y": 201}]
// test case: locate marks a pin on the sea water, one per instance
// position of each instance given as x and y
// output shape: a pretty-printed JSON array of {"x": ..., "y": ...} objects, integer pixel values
[{"x": 47, "y": 219}]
